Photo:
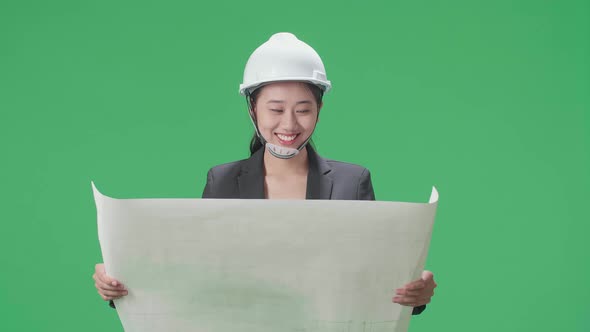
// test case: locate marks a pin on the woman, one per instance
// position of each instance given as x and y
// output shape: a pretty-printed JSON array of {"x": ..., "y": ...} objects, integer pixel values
[{"x": 284, "y": 82}]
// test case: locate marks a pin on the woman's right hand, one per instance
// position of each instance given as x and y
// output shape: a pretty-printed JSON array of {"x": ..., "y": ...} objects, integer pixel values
[{"x": 108, "y": 288}]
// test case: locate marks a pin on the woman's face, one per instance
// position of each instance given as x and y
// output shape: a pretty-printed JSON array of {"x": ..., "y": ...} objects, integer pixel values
[{"x": 286, "y": 113}]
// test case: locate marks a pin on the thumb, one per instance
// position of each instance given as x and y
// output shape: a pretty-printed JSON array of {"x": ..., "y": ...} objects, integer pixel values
[
  {"x": 102, "y": 275},
  {"x": 427, "y": 275}
]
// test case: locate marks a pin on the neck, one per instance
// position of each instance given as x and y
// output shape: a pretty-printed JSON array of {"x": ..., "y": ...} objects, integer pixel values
[{"x": 297, "y": 165}]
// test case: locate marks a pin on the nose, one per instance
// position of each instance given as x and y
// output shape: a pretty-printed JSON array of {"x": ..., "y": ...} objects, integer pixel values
[{"x": 289, "y": 120}]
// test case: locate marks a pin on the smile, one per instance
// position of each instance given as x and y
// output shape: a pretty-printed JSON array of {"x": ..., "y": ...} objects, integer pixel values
[{"x": 287, "y": 138}]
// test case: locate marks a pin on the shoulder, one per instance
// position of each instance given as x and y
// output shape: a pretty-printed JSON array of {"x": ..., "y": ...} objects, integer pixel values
[
  {"x": 350, "y": 181},
  {"x": 222, "y": 180},
  {"x": 228, "y": 169},
  {"x": 342, "y": 171},
  {"x": 334, "y": 167},
  {"x": 341, "y": 168}
]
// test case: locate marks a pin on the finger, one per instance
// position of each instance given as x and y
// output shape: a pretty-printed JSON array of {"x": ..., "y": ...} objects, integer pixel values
[
  {"x": 99, "y": 283},
  {"x": 420, "y": 301},
  {"x": 109, "y": 297},
  {"x": 426, "y": 291},
  {"x": 415, "y": 285},
  {"x": 101, "y": 273},
  {"x": 110, "y": 281},
  {"x": 408, "y": 292},
  {"x": 412, "y": 300},
  {"x": 427, "y": 276},
  {"x": 405, "y": 300},
  {"x": 426, "y": 300},
  {"x": 116, "y": 294},
  {"x": 103, "y": 285},
  {"x": 106, "y": 298},
  {"x": 412, "y": 285}
]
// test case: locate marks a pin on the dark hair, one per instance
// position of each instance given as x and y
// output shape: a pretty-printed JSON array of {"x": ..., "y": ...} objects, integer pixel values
[{"x": 255, "y": 143}]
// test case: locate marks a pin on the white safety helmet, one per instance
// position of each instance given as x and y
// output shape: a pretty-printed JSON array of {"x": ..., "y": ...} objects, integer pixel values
[{"x": 284, "y": 58}]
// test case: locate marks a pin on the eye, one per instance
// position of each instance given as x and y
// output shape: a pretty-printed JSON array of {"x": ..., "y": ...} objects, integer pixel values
[
  {"x": 276, "y": 110},
  {"x": 303, "y": 111}
]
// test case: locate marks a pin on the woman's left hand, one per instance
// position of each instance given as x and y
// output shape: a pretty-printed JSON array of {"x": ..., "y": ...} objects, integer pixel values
[{"x": 417, "y": 292}]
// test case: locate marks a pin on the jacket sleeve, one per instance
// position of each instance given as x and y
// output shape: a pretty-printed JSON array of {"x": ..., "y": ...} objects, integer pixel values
[
  {"x": 418, "y": 310},
  {"x": 207, "y": 192},
  {"x": 366, "y": 192},
  {"x": 365, "y": 188}
]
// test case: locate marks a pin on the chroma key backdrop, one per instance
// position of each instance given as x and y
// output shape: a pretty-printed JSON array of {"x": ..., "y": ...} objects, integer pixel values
[{"x": 487, "y": 100}]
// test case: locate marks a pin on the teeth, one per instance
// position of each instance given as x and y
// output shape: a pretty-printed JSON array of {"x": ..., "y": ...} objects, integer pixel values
[{"x": 286, "y": 138}]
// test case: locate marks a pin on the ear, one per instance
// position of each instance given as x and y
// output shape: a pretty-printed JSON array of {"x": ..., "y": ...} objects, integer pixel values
[{"x": 252, "y": 109}]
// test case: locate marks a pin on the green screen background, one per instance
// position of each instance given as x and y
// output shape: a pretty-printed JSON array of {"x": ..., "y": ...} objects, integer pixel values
[{"x": 487, "y": 100}]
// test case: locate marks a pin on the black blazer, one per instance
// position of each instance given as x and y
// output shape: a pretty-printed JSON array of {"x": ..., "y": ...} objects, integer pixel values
[{"x": 326, "y": 179}]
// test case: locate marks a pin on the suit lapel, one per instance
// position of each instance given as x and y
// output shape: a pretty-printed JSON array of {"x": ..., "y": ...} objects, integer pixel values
[
  {"x": 319, "y": 182},
  {"x": 251, "y": 178}
]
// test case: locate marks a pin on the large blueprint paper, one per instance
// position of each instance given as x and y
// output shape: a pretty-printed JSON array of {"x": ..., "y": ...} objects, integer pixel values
[{"x": 229, "y": 265}]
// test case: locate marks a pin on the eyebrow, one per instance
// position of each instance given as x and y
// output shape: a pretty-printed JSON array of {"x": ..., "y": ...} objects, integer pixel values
[{"x": 282, "y": 101}]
